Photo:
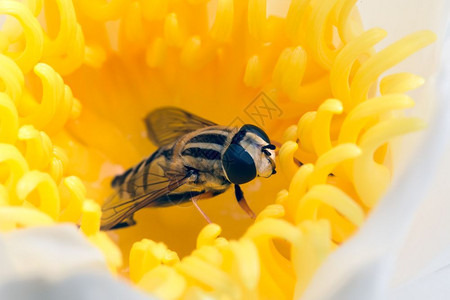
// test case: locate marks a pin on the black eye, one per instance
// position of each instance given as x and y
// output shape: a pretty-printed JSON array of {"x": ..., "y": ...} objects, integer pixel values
[
  {"x": 256, "y": 130},
  {"x": 266, "y": 152},
  {"x": 238, "y": 164}
]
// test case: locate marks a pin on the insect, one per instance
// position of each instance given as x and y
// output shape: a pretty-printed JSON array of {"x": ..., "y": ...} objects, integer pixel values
[{"x": 196, "y": 159}]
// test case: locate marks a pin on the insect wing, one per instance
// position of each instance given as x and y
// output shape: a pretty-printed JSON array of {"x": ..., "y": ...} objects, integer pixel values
[
  {"x": 165, "y": 125},
  {"x": 117, "y": 210}
]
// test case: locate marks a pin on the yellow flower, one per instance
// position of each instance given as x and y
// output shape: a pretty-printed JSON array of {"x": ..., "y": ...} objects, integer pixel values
[{"x": 77, "y": 78}]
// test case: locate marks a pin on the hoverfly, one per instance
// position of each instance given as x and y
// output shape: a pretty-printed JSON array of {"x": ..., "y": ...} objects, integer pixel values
[{"x": 196, "y": 159}]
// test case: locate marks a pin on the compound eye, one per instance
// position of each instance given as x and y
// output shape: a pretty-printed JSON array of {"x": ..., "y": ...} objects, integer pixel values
[
  {"x": 238, "y": 165},
  {"x": 256, "y": 130}
]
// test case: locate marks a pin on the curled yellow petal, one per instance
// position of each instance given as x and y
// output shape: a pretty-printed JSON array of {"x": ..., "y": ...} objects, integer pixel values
[
  {"x": 400, "y": 83},
  {"x": 271, "y": 211},
  {"x": 295, "y": 19},
  {"x": 321, "y": 128},
  {"x": 340, "y": 71},
  {"x": 9, "y": 120},
  {"x": 280, "y": 67},
  {"x": 64, "y": 109},
  {"x": 209, "y": 254},
  {"x": 65, "y": 14},
  {"x": 145, "y": 255},
  {"x": 38, "y": 147},
  {"x": 253, "y": 72},
  {"x": 332, "y": 196},
  {"x": 12, "y": 78},
  {"x": 58, "y": 164},
  {"x": 316, "y": 36},
  {"x": 90, "y": 221},
  {"x": 361, "y": 115},
  {"x": 289, "y": 70},
  {"x": 208, "y": 235},
  {"x": 223, "y": 23},
  {"x": 172, "y": 32},
  {"x": 73, "y": 58},
  {"x": 90, "y": 226},
  {"x": 275, "y": 266},
  {"x": 298, "y": 188},
  {"x": 365, "y": 167},
  {"x": 257, "y": 19},
  {"x": 328, "y": 161},
  {"x": 247, "y": 261},
  {"x": 111, "y": 252},
  {"x": 209, "y": 275},
  {"x": 94, "y": 56},
  {"x": 53, "y": 93},
  {"x": 305, "y": 130},
  {"x": 273, "y": 228},
  {"x": 77, "y": 193},
  {"x": 286, "y": 158},
  {"x": 35, "y": 6},
  {"x": 14, "y": 165},
  {"x": 290, "y": 134},
  {"x": 384, "y": 60},
  {"x": 4, "y": 197},
  {"x": 194, "y": 292},
  {"x": 294, "y": 71},
  {"x": 33, "y": 34},
  {"x": 12, "y": 217},
  {"x": 163, "y": 282},
  {"x": 309, "y": 254},
  {"x": 156, "y": 53},
  {"x": 46, "y": 188},
  {"x": 191, "y": 53},
  {"x": 170, "y": 258},
  {"x": 345, "y": 22}
]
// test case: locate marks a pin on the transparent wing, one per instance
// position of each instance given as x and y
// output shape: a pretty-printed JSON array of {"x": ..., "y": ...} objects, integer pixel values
[
  {"x": 165, "y": 125},
  {"x": 119, "y": 209}
]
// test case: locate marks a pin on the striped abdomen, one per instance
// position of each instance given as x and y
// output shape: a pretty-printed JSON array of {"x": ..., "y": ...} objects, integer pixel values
[{"x": 148, "y": 174}]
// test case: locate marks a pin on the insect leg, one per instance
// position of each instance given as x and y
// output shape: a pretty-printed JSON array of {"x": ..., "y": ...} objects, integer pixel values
[
  {"x": 242, "y": 202},
  {"x": 299, "y": 163},
  {"x": 202, "y": 196}
]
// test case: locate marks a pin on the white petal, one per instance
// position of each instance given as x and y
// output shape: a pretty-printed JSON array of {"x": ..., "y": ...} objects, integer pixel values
[{"x": 56, "y": 262}]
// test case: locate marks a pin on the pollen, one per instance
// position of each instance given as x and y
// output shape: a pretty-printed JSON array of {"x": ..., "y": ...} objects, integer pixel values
[{"x": 77, "y": 80}]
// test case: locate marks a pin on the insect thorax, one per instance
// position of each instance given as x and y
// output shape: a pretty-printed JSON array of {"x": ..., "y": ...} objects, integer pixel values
[{"x": 200, "y": 151}]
